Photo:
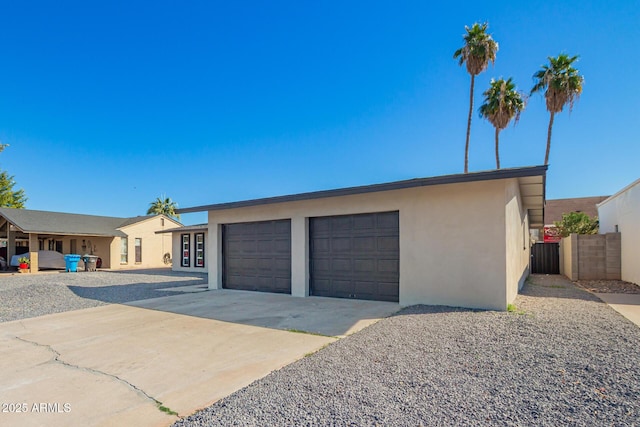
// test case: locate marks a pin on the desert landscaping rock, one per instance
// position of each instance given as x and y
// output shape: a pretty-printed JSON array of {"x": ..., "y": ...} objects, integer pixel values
[
  {"x": 562, "y": 357},
  {"x": 31, "y": 295},
  {"x": 609, "y": 286}
]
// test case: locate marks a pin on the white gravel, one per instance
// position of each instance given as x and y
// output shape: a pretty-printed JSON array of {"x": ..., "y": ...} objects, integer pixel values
[
  {"x": 563, "y": 358},
  {"x": 31, "y": 295}
]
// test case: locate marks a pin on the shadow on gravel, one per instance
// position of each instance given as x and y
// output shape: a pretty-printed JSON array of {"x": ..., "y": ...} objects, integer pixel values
[
  {"x": 119, "y": 294},
  {"x": 166, "y": 271},
  {"x": 555, "y": 286},
  {"x": 434, "y": 309},
  {"x": 128, "y": 292}
]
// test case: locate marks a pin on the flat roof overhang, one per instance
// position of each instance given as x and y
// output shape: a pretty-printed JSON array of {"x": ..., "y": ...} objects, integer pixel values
[
  {"x": 531, "y": 181},
  {"x": 198, "y": 227}
]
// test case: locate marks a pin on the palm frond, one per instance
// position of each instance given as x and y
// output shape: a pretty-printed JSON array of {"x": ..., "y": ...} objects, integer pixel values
[
  {"x": 479, "y": 49},
  {"x": 561, "y": 82}
]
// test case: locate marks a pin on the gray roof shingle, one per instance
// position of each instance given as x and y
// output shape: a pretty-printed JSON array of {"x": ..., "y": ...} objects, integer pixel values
[{"x": 44, "y": 222}]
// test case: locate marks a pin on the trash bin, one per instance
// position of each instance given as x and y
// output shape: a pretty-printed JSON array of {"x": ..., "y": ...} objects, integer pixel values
[
  {"x": 71, "y": 262},
  {"x": 90, "y": 262}
]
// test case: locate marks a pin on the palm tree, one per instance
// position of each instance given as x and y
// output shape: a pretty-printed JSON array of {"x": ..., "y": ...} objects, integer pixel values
[
  {"x": 502, "y": 102},
  {"x": 163, "y": 206},
  {"x": 562, "y": 85},
  {"x": 479, "y": 48}
]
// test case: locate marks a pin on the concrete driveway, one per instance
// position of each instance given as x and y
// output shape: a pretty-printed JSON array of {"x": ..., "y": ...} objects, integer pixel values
[
  {"x": 626, "y": 304},
  {"x": 148, "y": 362}
]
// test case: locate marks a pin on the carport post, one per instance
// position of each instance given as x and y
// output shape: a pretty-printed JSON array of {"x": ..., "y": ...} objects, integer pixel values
[
  {"x": 11, "y": 243},
  {"x": 33, "y": 252}
]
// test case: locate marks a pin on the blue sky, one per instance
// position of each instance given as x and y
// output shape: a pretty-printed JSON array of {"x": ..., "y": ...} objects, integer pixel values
[{"x": 108, "y": 105}]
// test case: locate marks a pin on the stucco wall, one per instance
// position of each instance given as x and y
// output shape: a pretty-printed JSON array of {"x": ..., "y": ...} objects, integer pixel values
[
  {"x": 177, "y": 251},
  {"x": 623, "y": 209},
  {"x": 154, "y": 246},
  {"x": 517, "y": 244},
  {"x": 452, "y": 239},
  {"x": 569, "y": 257}
]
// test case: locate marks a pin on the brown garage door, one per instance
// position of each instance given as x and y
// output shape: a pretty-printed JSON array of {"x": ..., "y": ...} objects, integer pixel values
[
  {"x": 257, "y": 256},
  {"x": 355, "y": 256}
]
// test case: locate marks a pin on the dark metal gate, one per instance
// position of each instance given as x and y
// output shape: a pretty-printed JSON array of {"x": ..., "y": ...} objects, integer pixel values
[{"x": 545, "y": 258}]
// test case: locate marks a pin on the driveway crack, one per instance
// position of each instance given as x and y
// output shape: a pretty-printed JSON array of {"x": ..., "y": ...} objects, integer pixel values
[{"x": 57, "y": 359}]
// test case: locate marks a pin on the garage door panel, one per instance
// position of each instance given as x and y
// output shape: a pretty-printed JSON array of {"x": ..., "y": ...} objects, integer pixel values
[
  {"x": 364, "y": 265},
  {"x": 319, "y": 266},
  {"x": 282, "y": 227},
  {"x": 341, "y": 223},
  {"x": 283, "y": 265},
  {"x": 341, "y": 244},
  {"x": 387, "y": 220},
  {"x": 257, "y": 256},
  {"x": 282, "y": 246},
  {"x": 366, "y": 222},
  {"x": 322, "y": 224},
  {"x": 264, "y": 246},
  {"x": 388, "y": 266},
  {"x": 320, "y": 245},
  {"x": 263, "y": 228},
  {"x": 389, "y": 290},
  {"x": 388, "y": 243},
  {"x": 244, "y": 246},
  {"x": 364, "y": 243},
  {"x": 343, "y": 265},
  {"x": 234, "y": 246},
  {"x": 362, "y": 259}
]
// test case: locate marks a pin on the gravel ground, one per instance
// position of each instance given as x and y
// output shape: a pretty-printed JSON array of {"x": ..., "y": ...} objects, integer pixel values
[
  {"x": 561, "y": 358},
  {"x": 31, "y": 295},
  {"x": 609, "y": 286}
]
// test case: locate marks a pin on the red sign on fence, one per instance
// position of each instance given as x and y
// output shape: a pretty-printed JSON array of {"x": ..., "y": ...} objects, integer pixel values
[{"x": 551, "y": 234}]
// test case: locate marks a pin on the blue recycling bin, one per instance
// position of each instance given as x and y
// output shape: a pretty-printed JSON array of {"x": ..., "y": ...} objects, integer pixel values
[{"x": 71, "y": 262}]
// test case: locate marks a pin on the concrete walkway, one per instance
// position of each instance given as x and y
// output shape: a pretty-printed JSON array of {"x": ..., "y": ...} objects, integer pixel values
[
  {"x": 626, "y": 304},
  {"x": 133, "y": 364}
]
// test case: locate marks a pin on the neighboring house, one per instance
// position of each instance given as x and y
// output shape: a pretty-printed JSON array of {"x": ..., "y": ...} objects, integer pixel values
[
  {"x": 621, "y": 213},
  {"x": 119, "y": 242},
  {"x": 457, "y": 240},
  {"x": 555, "y": 208},
  {"x": 189, "y": 246}
]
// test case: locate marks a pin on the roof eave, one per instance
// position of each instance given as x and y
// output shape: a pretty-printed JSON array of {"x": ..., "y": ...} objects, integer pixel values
[{"x": 397, "y": 185}]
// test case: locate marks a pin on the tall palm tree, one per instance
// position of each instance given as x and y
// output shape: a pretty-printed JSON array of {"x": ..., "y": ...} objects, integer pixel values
[
  {"x": 562, "y": 85},
  {"x": 479, "y": 49},
  {"x": 502, "y": 103},
  {"x": 163, "y": 205}
]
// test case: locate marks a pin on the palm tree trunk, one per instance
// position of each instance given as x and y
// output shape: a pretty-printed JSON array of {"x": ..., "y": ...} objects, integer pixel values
[
  {"x": 466, "y": 146},
  {"x": 497, "y": 150},
  {"x": 546, "y": 156}
]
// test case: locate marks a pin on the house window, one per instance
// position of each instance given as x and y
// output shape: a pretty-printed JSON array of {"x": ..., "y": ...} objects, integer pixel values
[
  {"x": 186, "y": 250},
  {"x": 199, "y": 249},
  {"x": 138, "y": 244},
  {"x": 124, "y": 250}
]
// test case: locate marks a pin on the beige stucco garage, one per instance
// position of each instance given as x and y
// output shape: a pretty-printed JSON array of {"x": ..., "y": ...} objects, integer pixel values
[{"x": 458, "y": 240}]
